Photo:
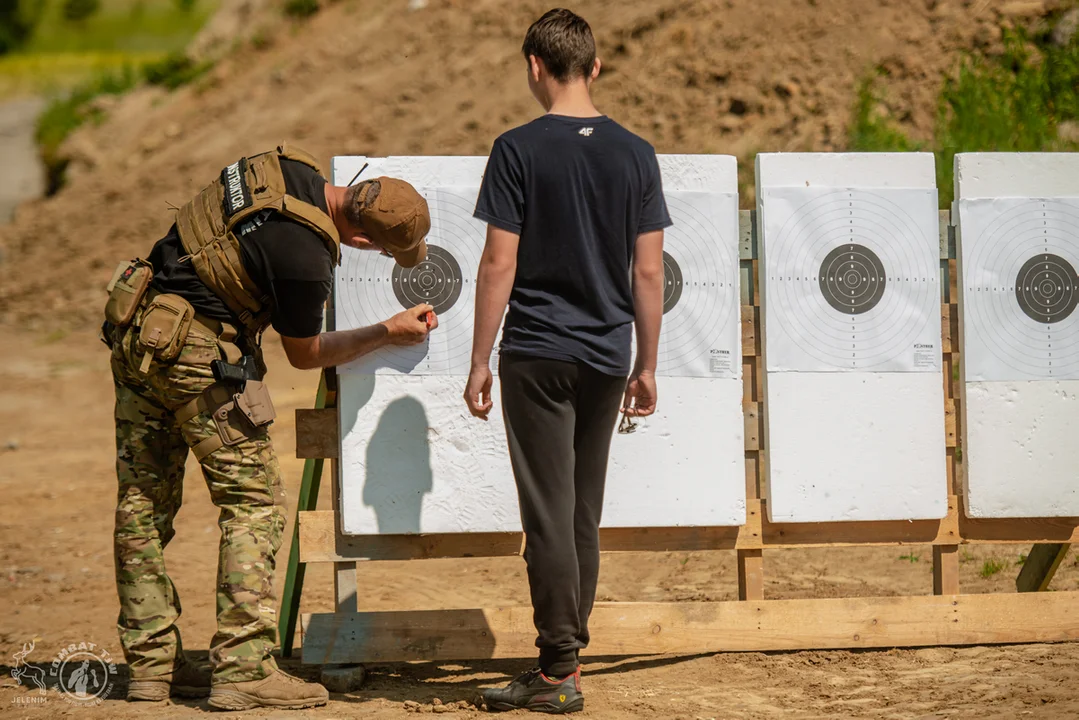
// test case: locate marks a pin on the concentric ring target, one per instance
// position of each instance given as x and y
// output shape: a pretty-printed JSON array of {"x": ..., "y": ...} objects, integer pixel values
[
  {"x": 672, "y": 282},
  {"x": 852, "y": 279},
  {"x": 1045, "y": 288},
  {"x": 700, "y": 334},
  {"x": 435, "y": 281},
  {"x": 371, "y": 288},
  {"x": 1019, "y": 288}
]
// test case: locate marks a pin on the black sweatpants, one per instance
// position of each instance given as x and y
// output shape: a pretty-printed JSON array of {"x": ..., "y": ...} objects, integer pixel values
[{"x": 560, "y": 417}]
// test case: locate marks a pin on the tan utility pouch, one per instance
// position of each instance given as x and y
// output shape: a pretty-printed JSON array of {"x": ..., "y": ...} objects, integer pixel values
[
  {"x": 165, "y": 323},
  {"x": 237, "y": 418},
  {"x": 126, "y": 289}
]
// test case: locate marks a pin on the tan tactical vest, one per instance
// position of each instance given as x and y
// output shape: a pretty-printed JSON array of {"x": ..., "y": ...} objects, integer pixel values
[{"x": 206, "y": 225}]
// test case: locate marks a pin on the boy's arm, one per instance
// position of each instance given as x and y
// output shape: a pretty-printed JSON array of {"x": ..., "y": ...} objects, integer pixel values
[
  {"x": 640, "y": 397},
  {"x": 494, "y": 281}
]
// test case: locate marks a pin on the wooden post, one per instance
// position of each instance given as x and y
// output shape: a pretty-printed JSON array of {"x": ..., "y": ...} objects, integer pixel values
[
  {"x": 751, "y": 574},
  {"x": 945, "y": 569},
  {"x": 294, "y": 575},
  {"x": 1040, "y": 566}
]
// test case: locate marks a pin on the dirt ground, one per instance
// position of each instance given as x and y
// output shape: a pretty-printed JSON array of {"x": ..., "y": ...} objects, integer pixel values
[{"x": 56, "y": 588}]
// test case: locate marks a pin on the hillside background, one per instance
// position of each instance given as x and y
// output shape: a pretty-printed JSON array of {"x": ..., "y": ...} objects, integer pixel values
[{"x": 446, "y": 77}]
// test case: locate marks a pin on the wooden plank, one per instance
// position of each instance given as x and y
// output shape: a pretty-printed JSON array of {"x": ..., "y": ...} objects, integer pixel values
[
  {"x": 1019, "y": 530},
  {"x": 950, "y": 435},
  {"x": 320, "y": 543},
  {"x": 946, "y": 333},
  {"x": 747, "y": 234},
  {"x": 750, "y": 575},
  {"x": 317, "y": 433},
  {"x": 750, "y": 323},
  {"x": 947, "y": 234},
  {"x": 1040, "y": 567},
  {"x": 752, "y": 415},
  {"x": 945, "y": 569},
  {"x": 700, "y": 627}
]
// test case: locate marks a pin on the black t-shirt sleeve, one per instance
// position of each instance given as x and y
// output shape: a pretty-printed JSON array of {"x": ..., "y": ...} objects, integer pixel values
[
  {"x": 298, "y": 310},
  {"x": 654, "y": 215},
  {"x": 502, "y": 195}
]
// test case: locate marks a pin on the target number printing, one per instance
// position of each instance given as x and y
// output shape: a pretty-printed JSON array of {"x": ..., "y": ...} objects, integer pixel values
[
  {"x": 700, "y": 336},
  {"x": 372, "y": 288},
  {"x": 852, "y": 279},
  {"x": 1019, "y": 288}
]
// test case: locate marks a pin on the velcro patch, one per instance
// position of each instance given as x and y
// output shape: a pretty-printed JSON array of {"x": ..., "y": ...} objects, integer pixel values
[{"x": 237, "y": 197}]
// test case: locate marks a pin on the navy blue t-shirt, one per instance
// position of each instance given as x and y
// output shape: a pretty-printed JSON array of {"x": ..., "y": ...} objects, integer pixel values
[{"x": 578, "y": 191}]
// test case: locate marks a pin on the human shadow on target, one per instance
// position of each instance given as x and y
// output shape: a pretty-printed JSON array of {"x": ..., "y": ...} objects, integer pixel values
[{"x": 397, "y": 472}]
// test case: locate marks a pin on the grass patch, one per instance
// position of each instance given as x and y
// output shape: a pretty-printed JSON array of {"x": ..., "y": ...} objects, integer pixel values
[
  {"x": 871, "y": 130},
  {"x": 991, "y": 567},
  {"x": 301, "y": 8},
  {"x": 175, "y": 70},
  {"x": 133, "y": 26},
  {"x": 1013, "y": 102},
  {"x": 64, "y": 115},
  {"x": 910, "y": 557}
]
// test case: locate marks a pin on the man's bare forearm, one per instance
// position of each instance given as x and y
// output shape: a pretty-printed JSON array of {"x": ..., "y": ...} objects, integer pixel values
[
  {"x": 341, "y": 346},
  {"x": 494, "y": 283},
  {"x": 648, "y": 298},
  {"x": 648, "y": 309}
]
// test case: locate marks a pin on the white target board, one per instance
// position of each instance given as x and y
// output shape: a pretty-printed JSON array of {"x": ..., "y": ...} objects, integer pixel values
[
  {"x": 414, "y": 461},
  {"x": 851, "y": 310},
  {"x": 1018, "y": 243}
]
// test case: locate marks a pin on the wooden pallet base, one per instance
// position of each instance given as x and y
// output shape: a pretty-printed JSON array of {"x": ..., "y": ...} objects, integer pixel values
[{"x": 699, "y": 627}]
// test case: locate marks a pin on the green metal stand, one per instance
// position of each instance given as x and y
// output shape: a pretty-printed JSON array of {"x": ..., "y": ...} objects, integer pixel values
[{"x": 308, "y": 498}]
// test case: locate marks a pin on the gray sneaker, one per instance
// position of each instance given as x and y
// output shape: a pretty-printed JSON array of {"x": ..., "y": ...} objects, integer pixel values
[{"x": 536, "y": 692}]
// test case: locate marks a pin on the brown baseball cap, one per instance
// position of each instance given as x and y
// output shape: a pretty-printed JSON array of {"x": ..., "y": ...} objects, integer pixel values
[{"x": 397, "y": 220}]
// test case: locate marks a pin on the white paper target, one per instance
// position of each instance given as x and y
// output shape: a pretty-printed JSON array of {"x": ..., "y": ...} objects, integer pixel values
[
  {"x": 1019, "y": 258},
  {"x": 700, "y": 336},
  {"x": 372, "y": 287},
  {"x": 851, "y": 279}
]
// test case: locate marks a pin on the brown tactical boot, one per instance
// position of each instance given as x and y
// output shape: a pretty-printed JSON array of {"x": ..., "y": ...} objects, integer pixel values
[
  {"x": 188, "y": 681},
  {"x": 276, "y": 690}
]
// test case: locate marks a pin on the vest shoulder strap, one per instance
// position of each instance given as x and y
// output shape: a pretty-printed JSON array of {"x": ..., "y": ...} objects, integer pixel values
[
  {"x": 294, "y": 153},
  {"x": 313, "y": 218}
]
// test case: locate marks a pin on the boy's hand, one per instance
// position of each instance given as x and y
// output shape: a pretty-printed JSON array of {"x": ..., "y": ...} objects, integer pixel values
[
  {"x": 640, "y": 400},
  {"x": 411, "y": 326},
  {"x": 478, "y": 391}
]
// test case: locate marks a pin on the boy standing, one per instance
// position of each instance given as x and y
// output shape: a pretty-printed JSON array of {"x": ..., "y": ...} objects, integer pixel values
[{"x": 575, "y": 212}]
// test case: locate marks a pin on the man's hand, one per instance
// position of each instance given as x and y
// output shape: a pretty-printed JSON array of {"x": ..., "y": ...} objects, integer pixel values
[
  {"x": 411, "y": 326},
  {"x": 640, "y": 400},
  {"x": 478, "y": 391}
]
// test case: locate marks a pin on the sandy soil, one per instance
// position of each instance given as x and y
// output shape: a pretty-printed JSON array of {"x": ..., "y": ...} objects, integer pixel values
[{"x": 56, "y": 587}]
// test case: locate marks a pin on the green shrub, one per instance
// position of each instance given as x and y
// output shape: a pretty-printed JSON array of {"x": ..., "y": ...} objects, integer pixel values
[
  {"x": 1008, "y": 103},
  {"x": 301, "y": 8},
  {"x": 80, "y": 10},
  {"x": 185, "y": 6},
  {"x": 175, "y": 70}
]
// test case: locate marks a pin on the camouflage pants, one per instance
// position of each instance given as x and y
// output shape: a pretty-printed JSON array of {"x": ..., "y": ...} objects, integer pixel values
[{"x": 245, "y": 483}]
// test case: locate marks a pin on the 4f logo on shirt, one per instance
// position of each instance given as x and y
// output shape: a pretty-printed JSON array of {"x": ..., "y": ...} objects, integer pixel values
[{"x": 586, "y": 132}]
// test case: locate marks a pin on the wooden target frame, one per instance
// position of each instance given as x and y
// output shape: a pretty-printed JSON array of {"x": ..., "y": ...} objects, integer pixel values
[{"x": 752, "y": 623}]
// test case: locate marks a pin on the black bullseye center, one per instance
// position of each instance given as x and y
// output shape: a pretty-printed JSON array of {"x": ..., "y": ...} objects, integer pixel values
[
  {"x": 1045, "y": 288},
  {"x": 436, "y": 281},
  {"x": 672, "y": 283},
  {"x": 852, "y": 279}
]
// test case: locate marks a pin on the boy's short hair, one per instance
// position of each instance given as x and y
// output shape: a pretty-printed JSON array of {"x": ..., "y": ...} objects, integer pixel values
[{"x": 563, "y": 41}]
